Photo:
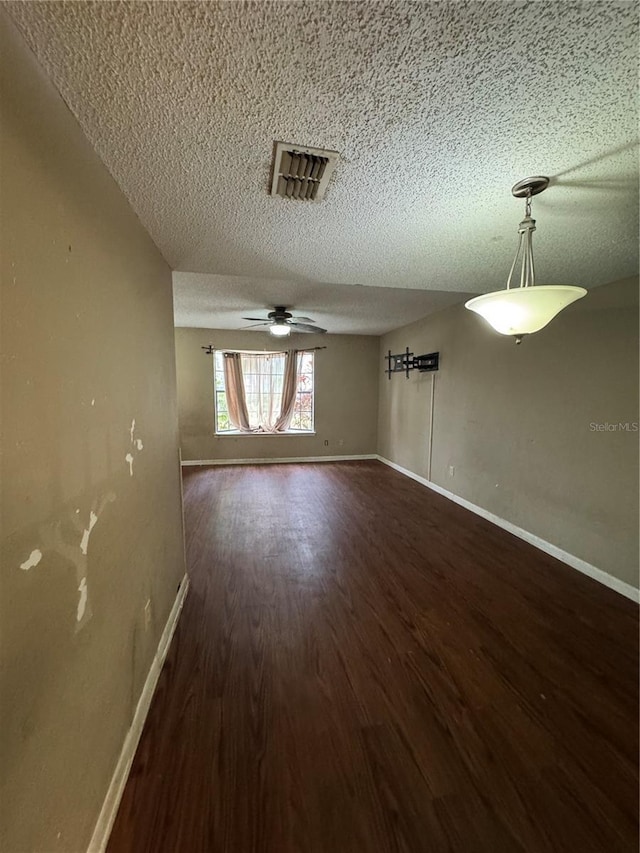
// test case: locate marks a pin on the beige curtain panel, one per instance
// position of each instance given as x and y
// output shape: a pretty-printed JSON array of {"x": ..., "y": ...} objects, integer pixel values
[
  {"x": 289, "y": 389},
  {"x": 234, "y": 386}
]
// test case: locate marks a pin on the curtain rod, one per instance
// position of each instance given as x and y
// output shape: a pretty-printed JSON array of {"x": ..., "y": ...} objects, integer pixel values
[{"x": 210, "y": 349}]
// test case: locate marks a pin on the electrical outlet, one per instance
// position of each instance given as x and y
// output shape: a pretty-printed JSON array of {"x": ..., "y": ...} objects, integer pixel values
[
  {"x": 326, "y": 443},
  {"x": 340, "y": 443},
  {"x": 452, "y": 470},
  {"x": 147, "y": 615}
]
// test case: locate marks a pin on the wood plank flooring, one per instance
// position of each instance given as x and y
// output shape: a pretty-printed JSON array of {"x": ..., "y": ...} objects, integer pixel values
[{"x": 362, "y": 666}]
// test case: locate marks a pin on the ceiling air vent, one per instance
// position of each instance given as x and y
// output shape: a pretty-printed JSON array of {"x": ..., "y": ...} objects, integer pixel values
[{"x": 301, "y": 173}]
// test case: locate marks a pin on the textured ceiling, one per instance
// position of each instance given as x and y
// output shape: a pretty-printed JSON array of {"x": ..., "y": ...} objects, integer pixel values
[{"x": 436, "y": 109}]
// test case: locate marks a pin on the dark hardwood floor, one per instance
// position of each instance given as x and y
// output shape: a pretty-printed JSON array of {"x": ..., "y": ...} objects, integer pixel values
[{"x": 362, "y": 666}]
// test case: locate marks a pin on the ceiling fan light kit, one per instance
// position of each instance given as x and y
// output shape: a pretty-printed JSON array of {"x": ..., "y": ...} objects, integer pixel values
[
  {"x": 527, "y": 308},
  {"x": 279, "y": 330}
]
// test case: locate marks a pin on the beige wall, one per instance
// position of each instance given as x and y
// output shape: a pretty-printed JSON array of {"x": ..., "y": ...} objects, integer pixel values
[
  {"x": 514, "y": 422},
  {"x": 87, "y": 347},
  {"x": 346, "y": 397}
]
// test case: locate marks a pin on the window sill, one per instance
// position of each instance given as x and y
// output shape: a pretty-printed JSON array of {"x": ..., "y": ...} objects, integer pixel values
[{"x": 229, "y": 434}]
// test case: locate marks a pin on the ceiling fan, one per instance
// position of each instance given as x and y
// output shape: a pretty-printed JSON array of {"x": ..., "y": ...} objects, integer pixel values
[{"x": 281, "y": 323}]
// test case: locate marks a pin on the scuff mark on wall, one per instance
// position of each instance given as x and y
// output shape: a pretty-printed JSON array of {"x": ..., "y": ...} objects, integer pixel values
[
  {"x": 139, "y": 443},
  {"x": 133, "y": 429},
  {"x": 129, "y": 458},
  {"x": 32, "y": 560}
]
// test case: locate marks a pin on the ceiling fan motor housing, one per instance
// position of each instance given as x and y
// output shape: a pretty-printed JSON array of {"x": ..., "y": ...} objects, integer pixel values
[{"x": 280, "y": 313}]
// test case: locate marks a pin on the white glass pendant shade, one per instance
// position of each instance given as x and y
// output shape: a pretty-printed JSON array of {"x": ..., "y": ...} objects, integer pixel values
[
  {"x": 528, "y": 308},
  {"x": 524, "y": 310},
  {"x": 280, "y": 330}
]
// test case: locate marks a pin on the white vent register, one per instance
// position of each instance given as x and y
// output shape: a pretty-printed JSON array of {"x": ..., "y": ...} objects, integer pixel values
[{"x": 301, "y": 173}]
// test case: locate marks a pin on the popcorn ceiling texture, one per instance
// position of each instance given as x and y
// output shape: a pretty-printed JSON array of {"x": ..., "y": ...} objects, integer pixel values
[{"x": 436, "y": 109}]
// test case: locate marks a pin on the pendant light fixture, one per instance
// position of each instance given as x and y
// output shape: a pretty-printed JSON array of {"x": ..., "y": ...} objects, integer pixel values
[{"x": 526, "y": 308}]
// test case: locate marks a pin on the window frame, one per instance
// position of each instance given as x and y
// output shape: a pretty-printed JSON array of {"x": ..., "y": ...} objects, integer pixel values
[{"x": 235, "y": 433}]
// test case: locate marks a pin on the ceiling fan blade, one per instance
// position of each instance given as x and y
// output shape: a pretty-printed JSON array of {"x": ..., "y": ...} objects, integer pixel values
[
  {"x": 302, "y": 320},
  {"x": 254, "y": 325},
  {"x": 303, "y": 327},
  {"x": 261, "y": 319}
]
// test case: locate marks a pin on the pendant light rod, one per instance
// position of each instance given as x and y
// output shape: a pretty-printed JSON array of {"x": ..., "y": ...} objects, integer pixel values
[{"x": 526, "y": 189}]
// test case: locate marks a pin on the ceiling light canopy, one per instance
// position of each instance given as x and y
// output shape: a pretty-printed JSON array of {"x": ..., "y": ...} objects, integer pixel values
[{"x": 529, "y": 307}]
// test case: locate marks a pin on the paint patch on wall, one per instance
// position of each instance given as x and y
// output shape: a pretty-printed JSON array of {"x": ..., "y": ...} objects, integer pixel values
[
  {"x": 137, "y": 444},
  {"x": 82, "y": 601},
  {"x": 32, "y": 560},
  {"x": 55, "y": 540},
  {"x": 84, "y": 542}
]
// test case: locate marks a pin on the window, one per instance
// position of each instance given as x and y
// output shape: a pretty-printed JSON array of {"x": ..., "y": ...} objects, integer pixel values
[
  {"x": 302, "y": 420},
  {"x": 263, "y": 376}
]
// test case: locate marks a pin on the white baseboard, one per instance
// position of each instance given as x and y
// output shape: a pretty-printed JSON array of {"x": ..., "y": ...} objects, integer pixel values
[
  {"x": 111, "y": 803},
  {"x": 189, "y": 462},
  {"x": 575, "y": 562}
]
